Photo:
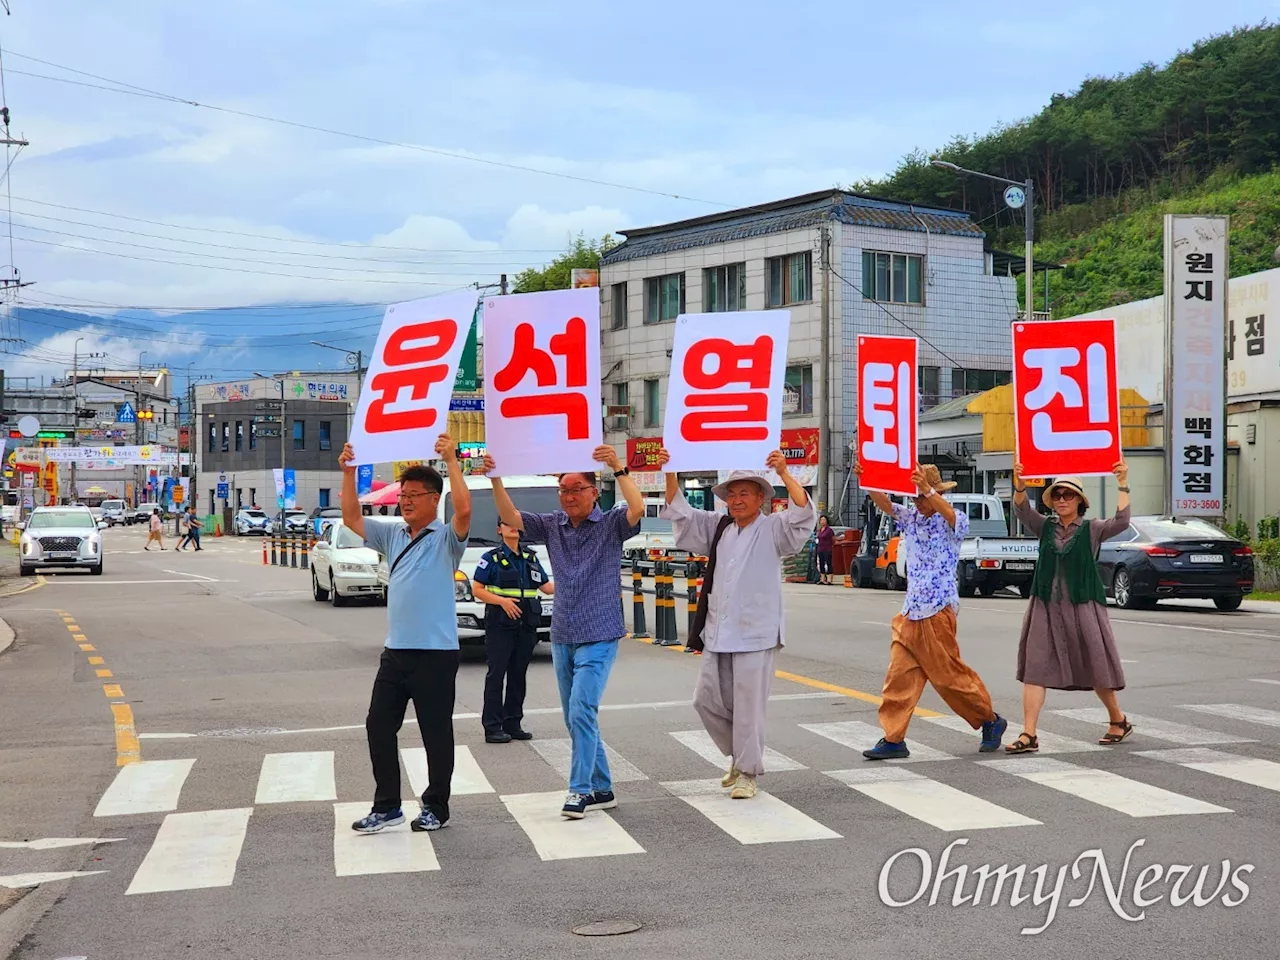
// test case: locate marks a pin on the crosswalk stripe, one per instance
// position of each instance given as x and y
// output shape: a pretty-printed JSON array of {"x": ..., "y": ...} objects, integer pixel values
[
  {"x": 16, "y": 881},
  {"x": 555, "y": 838},
  {"x": 468, "y": 778},
  {"x": 296, "y": 777},
  {"x": 559, "y": 756},
  {"x": 151, "y": 786},
  {"x": 762, "y": 819},
  {"x": 700, "y": 742},
  {"x": 937, "y": 804},
  {"x": 1158, "y": 729},
  {"x": 859, "y": 736},
  {"x": 1104, "y": 788},
  {"x": 1258, "y": 773},
  {"x": 1049, "y": 742},
  {"x": 1237, "y": 711},
  {"x": 193, "y": 851},
  {"x": 391, "y": 850}
]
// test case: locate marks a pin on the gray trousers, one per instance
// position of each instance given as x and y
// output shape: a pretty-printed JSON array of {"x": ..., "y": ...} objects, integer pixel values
[{"x": 731, "y": 696}]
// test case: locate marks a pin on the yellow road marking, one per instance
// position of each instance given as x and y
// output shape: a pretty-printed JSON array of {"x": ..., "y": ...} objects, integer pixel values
[
  {"x": 79, "y": 637},
  {"x": 73, "y": 627},
  {"x": 87, "y": 646},
  {"x": 66, "y": 619},
  {"x": 96, "y": 661},
  {"x": 112, "y": 690},
  {"x": 104, "y": 673},
  {"x": 128, "y": 749}
]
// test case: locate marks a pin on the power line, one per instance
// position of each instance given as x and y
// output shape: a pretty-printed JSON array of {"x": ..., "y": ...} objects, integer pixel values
[{"x": 892, "y": 316}]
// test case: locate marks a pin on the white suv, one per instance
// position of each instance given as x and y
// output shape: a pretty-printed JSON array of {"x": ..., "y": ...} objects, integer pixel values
[{"x": 60, "y": 537}]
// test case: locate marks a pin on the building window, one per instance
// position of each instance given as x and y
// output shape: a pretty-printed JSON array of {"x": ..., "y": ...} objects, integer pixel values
[
  {"x": 619, "y": 294},
  {"x": 790, "y": 279},
  {"x": 892, "y": 277},
  {"x": 213, "y": 503},
  {"x": 965, "y": 382},
  {"x": 927, "y": 387},
  {"x": 664, "y": 298},
  {"x": 239, "y": 435},
  {"x": 324, "y": 496},
  {"x": 299, "y": 435},
  {"x": 253, "y": 438},
  {"x": 797, "y": 390},
  {"x": 724, "y": 288},
  {"x": 239, "y": 497},
  {"x": 226, "y": 437},
  {"x": 253, "y": 496},
  {"x": 213, "y": 438},
  {"x": 325, "y": 430},
  {"x": 651, "y": 403}
]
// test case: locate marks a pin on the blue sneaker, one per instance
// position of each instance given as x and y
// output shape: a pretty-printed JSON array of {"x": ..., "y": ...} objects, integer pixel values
[
  {"x": 575, "y": 806},
  {"x": 884, "y": 750},
  {"x": 426, "y": 820},
  {"x": 377, "y": 821},
  {"x": 992, "y": 731},
  {"x": 602, "y": 800}
]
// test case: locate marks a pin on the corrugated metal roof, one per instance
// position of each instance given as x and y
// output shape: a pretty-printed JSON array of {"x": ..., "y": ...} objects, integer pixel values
[
  {"x": 805, "y": 211},
  {"x": 956, "y": 407}
]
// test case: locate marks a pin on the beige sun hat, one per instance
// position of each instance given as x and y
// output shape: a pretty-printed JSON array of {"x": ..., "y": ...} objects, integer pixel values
[
  {"x": 721, "y": 490},
  {"x": 1071, "y": 483},
  {"x": 933, "y": 477}
]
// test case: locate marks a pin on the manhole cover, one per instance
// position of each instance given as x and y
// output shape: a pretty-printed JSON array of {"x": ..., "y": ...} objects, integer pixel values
[{"x": 606, "y": 928}]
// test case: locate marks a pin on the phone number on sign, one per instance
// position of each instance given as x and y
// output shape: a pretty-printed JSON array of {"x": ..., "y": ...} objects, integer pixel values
[{"x": 1198, "y": 504}]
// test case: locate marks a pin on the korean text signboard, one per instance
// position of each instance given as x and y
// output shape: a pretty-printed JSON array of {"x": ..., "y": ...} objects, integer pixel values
[
  {"x": 642, "y": 453},
  {"x": 1066, "y": 402},
  {"x": 724, "y": 395},
  {"x": 887, "y": 408},
  {"x": 404, "y": 405},
  {"x": 542, "y": 392},
  {"x": 1195, "y": 303}
]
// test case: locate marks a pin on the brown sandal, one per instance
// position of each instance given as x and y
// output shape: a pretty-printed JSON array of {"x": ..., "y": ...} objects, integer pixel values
[
  {"x": 1126, "y": 728},
  {"x": 1025, "y": 743}
]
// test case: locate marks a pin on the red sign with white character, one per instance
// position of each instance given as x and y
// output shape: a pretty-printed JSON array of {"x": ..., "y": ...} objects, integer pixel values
[
  {"x": 724, "y": 396},
  {"x": 404, "y": 404},
  {"x": 543, "y": 394},
  {"x": 1066, "y": 404},
  {"x": 887, "y": 422}
]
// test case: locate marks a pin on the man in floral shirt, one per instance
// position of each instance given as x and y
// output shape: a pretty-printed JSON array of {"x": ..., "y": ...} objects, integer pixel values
[{"x": 924, "y": 643}]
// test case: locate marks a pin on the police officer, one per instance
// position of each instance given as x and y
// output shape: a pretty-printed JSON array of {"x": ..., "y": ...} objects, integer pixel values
[{"x": 508, "y": 580}]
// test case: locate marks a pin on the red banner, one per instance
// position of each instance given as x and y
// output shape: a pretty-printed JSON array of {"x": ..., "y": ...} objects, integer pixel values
[
  {"x": 1066, "y": 403},
  {"x": 887, "y": 427},
  {"x": 800, "y": 445},
  {"x": 642, "y": 453}
]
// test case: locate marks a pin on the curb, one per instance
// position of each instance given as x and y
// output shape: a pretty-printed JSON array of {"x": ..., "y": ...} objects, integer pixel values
[{"x": 6, "y": 636}]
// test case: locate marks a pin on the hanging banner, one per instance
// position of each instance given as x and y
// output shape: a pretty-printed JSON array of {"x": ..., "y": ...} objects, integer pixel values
[
  {"x": 404, "y": 405},
  {"x": 364, "y": 479},
  {"x": 543, "y": 394},
  {"x": 887, "y": 413},
  {"x": 290, "y": 489},
  {"x": 114, "y": 456},
  {"x": 278, "y": 476},
  {"x": 1066, "y": 401},
  {"x": 724, "y": 394},
  {"x": 1195, "y": 415}
]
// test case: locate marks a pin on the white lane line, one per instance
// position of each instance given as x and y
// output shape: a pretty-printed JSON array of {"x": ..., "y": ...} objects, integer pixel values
[
  {"x": 559, "y": 754},
  {"x": 296, "y": 777},
  {"x": 16, "y": 881},
  {"x": 391, "y": 850},
  {"x": 1144, "y": 727},
  {"x": 1258, "y": 773},
  {"x": 55, "y": 843},
  {"x": 468, "y": 778},
  {"x": 1237, "y": 711},
  {"x": 1128, "y": 661},
  {"x": 1178, "y": 626},
  {"x": 1050, "y": 743},
  {"x": 762, "y": 819},
  {"x": 98, "y": 582},
  {"x": 937, "y": 804},
  {"x": 152, "y": 786},
  {"x": 700, "y": 742},
  {"x": 1263, "y": 680},
  {"x": 555, "y": 838},
  {"x": 1130, "y": 797},
  {"x": 193, "y": 851},
  {"x": 860, "y": 736},
  {"x": 197, "y": 576}
]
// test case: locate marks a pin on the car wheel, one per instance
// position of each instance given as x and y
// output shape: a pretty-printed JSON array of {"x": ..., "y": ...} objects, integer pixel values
[
  {"x": 1122, "y": 590},
  {"x": 987, "y": 588},
  {"x": 1024, "y": 591},
  {"x": 891, "y": 579},
  {"x": 96, "y": 571},
  {"x": 337, "y": 599},
  {"x": 26, "y": 571},
  {"x": 1229, "y": 603},
  {"x": 316, "y": 590}
]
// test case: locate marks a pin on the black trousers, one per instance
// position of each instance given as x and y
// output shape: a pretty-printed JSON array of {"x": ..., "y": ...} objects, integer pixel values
[
  {"x": 507, "y": 650},
  {"x": 428, "y": 678}
]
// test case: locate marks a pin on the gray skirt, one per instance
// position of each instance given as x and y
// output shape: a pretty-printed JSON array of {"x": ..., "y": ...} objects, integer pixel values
[{"x": 1068, "y": 646}]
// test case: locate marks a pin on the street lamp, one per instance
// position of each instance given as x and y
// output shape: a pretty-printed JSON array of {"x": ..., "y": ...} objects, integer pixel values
[{"x": 1017, "y": 194}]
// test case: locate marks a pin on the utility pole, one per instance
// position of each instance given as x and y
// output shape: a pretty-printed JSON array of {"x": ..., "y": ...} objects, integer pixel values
[
  {"x": 502, "y": 283},
  {"x": 75, "y": 409},
  {"x": 824, "y": 363},
  {"x": 137, "y": 429}
]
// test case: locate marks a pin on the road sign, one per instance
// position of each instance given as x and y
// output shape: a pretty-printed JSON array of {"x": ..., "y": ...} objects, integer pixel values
[
  {"x": 179, "y": 494},
  {"x": 126, "y": 414},
  {"x": 269, "y": 405},
  {"x": 224, "y": 491},
  {"x": 1015, "y": 196},
  {"x": 28, "y": 426}
]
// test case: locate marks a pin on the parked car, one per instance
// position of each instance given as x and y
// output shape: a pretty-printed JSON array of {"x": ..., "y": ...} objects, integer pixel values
[
  {"x": 655, "y": 539},
  {"x": 290, "y": 521},
  {"x": 250, "y": 520},
  {"x": 343, "y": 567},
  {"x": 320, "y": 514},
  {"x": 60, "y": 537},
  {"x": 114, "y": 511},
  {"x": 1157, "y": 559}
]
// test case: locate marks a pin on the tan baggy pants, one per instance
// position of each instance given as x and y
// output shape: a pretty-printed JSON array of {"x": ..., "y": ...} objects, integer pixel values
[{"x": 731, "y": 697}]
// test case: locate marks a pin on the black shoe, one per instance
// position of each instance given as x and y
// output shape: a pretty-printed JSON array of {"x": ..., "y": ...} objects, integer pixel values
[
  {"x": 602, "y": 800},
  {"x": 500, "y": 736},
  {"x": 519, "y": 734}
]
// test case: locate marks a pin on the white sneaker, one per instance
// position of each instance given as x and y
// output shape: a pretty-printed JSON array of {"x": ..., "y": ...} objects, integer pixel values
[
  {"x": 745, "y": 788},
  {"x": 730, "y": 778}
]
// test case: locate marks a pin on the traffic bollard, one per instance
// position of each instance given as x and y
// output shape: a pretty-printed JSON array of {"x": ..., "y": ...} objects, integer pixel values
[
  {"x": 293, "y": 550},
  {"x": 274, "y": 561},
  {"x": 264, "y": 552},
  {"x": 306, "y": 546},
  {"x": 673, "y": 629},
  {"x": 659, "y": 621},
  {"x": 666, "y": 605},
  {"x": 637, "y": 597}
]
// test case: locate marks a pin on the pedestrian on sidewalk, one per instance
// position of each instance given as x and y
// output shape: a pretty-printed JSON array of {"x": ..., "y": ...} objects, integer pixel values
[
  {"x": 826, "y": 547},
  {"x": 585, "y": 547},
  {"x": 739, "y": 619},
  {"x": 156, "y": 532},
  {"x": 924, "y": 646},
  {"x": 1066, "y": 641},
  {"x": 509, "y": 581},
  {"x": 420, "y": 659}
]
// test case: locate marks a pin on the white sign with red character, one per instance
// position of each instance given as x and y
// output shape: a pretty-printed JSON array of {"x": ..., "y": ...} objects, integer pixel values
[
  {"x": 1066, "y": 402},
  {"x": 724, "y": 395},
  {"x": 404, "y": 405},
  {"x": 542, "y": 380},
  {"x": 887, "y": 421}
]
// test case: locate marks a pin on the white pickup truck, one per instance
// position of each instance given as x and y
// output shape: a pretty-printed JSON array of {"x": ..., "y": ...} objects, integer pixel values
[{"x": 990, "y": 559}]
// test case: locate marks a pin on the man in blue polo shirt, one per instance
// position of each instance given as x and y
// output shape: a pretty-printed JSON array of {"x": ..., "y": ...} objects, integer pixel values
[{"x": 420, "y": 662}]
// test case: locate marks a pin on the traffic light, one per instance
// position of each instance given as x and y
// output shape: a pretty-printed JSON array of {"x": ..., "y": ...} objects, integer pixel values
[{"x": 148, "y": 414}]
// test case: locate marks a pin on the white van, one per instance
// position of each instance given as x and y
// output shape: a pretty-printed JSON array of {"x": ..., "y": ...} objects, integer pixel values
[{"x": 113, "y": 511}]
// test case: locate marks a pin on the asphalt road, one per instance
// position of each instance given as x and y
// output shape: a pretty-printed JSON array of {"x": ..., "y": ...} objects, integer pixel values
[{"x": 248, "y": 700}]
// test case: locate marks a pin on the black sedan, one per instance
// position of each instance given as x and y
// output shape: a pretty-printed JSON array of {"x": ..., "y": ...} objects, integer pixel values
[{"x": 1161, "y": 559}]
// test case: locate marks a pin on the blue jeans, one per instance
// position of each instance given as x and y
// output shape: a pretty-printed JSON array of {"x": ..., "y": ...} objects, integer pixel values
[{"x": 582, "y": 669}]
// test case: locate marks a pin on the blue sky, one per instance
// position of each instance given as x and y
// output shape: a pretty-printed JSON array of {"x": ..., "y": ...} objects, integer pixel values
[{"x": 733, "y": 103}]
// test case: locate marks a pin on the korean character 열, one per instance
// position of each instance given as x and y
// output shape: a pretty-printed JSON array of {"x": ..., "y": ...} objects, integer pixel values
[
  {"x": 526, "y": 357},
  {"x": 414, "y": 368},
  {"x": 740, "y": 415}
]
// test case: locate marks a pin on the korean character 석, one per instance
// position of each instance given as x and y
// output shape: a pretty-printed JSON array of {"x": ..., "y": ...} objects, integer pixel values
[{"x": 527, "y": 357}]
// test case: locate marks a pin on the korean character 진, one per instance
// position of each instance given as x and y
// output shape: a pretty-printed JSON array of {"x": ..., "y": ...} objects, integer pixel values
[
  {"x": 1057, "y": 385},
  {"x": 742, "y": 414}
]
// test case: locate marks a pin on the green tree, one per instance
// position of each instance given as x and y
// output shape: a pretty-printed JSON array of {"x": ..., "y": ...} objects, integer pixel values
[{"x": 582, "y": 254}]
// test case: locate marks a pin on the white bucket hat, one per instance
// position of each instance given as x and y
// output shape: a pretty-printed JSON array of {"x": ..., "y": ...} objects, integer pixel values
[{"x": 721, "y": 490}]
